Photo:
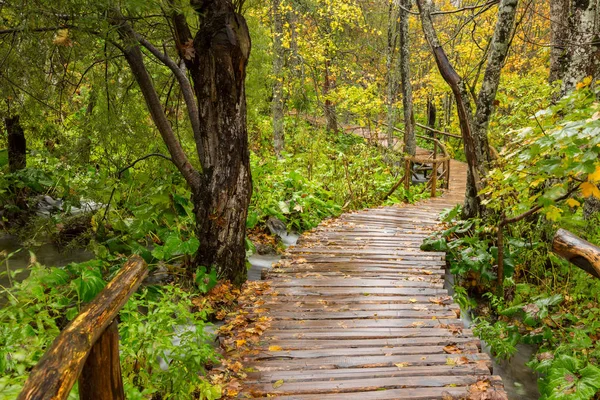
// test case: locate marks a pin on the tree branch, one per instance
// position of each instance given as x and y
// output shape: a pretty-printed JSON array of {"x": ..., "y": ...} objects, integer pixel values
[
  {"x": 184, "y": 83},
  {"x": 135, "y": 59}
]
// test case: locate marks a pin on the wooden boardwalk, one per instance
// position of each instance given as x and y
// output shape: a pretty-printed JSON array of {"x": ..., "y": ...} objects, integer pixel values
[{"x": 359, "y": 312}]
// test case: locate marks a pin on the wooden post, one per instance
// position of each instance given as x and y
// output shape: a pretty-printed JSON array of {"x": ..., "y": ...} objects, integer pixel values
[
  {"x": 408, "y": 175},
  {"x": 579, "y": 252},
  {"x": 57, "y": 371},
  {"x": 101, "y": 377},
  {"x": 447, "y": 174},
  {"x": 434, "y": 179}
]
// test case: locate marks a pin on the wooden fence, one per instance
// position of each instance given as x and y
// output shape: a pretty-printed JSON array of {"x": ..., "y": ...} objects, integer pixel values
[{"x": 88, "y": 348}]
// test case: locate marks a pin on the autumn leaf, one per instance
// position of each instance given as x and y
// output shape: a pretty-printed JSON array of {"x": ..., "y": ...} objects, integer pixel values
[
  {"x": 187, "y": 50},
  {"x": 595, "y": 176},
  {"x": 275, "y": 348},
  {"x": 278, "y": 384},
  {"x": 573, "y": 203},
  {"x": 402, "y": 365},
  {"x": 589, "y": 189},
  {"x": 452, "y": 349},
  {"x": 62, "y": 38}
]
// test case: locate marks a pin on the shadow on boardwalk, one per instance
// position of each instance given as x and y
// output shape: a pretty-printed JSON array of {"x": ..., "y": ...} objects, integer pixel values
[{"x": 359, "y": 312}]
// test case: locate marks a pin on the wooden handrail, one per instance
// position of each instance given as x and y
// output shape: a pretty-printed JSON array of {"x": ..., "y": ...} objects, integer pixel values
[
  {"x": 92, "y": 333},
  {"x": 428, "y": 128},
  {"x": 579, "y": 252}
]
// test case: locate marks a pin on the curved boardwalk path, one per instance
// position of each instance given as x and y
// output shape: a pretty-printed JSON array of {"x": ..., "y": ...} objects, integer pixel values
[{"x": 359, "y": 312}]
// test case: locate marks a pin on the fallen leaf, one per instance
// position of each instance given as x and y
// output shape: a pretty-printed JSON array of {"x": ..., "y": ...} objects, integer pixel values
[
  {"x": 402, "y": 365},
  {"x": 275, "y": 348},
  {"x": 278, "y": 384}
]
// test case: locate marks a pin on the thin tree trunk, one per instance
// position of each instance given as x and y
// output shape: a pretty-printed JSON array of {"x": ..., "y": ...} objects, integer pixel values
[
  {"x": 465, "y": 116},
  {"x": 474, "y": 128},
  {"x": 431, "y": 113},
  {"x": 410, "y": 144},
  {"x": 330, "y": 114},
  {"x": 278, "y": 58},
  {"x": 392, "y": 80},
  {"x": 582, "y": 22},
  {"x": 498, "y": 50},
  {"x": 559, "y": 22},
  {"x": 17, "y": 145}
]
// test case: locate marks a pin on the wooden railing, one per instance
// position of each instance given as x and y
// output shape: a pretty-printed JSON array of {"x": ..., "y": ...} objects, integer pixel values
[
  {"x": 579, "y": 252},
  {"x": 88, "y": 348}
]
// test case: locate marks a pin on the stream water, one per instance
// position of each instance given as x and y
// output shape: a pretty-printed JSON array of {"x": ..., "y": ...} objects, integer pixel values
[
  {"x": 46, "y": 254},
  {"x": 519, "y": 380}
]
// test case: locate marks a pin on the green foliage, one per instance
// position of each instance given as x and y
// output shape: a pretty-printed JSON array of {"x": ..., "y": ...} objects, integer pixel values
[
  {"x": 555, "y": 156},
  {"x": 165, "y": 349},
  {"x": 168, "y": 329},
  {"x": 567, "y": 377},
  {"x": 322, "y": 175}
]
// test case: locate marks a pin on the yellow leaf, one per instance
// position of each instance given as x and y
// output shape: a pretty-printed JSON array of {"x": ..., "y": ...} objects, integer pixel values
[
  {"x": 278, "y": 384},
  {"x": 573, "y": 203},
  {"x": 413, "y": 300},
  {"x": 240, "y": 343},
  {"x": 275, "y": 348},
  {"x": 402, "y": 364},
  {"x": 595, "y": 176},
  {"x": 585, "y": 82},
  {"x": 589, "y": 189}
]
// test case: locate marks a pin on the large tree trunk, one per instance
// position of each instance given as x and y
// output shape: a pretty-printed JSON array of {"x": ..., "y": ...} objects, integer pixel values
[
  {"x": 410, "y": 144},
  {"x": 216, "y": 59},
  {"x": 17, "y": 145},
  {"x": 278, "y": 58},
  {"x": 581, "y": 61},
  {"x": 559, "y": 22},
  {"x": 222, "y": 47}
]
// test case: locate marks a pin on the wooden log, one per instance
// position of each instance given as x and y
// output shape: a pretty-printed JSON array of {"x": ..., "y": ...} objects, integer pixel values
[
  {"x": 579, "y": 252},
  {"x": 101, "y": 378},
  {"x": 58, "y": 369}
]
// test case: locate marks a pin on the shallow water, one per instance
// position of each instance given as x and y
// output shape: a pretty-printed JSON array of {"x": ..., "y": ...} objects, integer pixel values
[
  {"x": 520, "y": 381},
  {"x": 46, "y": 254}
]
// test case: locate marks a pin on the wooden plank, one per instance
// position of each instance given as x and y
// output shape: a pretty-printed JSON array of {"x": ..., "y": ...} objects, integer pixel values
[
  {"x": 309, "y": 375},
  {"x": 464, "y": 348},
  {"x": 332, "y": 314},
  {"x": 320, "y": 324},
  {"x": 371, "y": 333},
  {"x": 361, "y": 385},
  {"x": 368, "y": 361}
]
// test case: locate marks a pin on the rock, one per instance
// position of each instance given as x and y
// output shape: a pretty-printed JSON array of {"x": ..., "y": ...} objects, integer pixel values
[{"x": 276, "y": 226}]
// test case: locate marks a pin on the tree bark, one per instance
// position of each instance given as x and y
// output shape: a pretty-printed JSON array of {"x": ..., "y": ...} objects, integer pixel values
[
  {"x": 474, "y": 128},
  {"x": 498, "y": 50},
  {"x": 216, "y": 58},
  {"x": 581, "y": 253},
  {"x": 278, "y": 59},
  {"x": 465, "y": 116},
  {"x": 410, "y": 144},
  {"x": 559, "y": 22},
  {"x": 581, "y": 63},
  {"x": 392, "y": 80},
  {"x": 17, "y": 145},
  {"x": 222, "y": 48},
  {"x": 329, "y": 108}
]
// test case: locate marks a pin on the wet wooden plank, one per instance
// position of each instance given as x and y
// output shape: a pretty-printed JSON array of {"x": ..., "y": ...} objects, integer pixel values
[{"x": 358, "y": 311}]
